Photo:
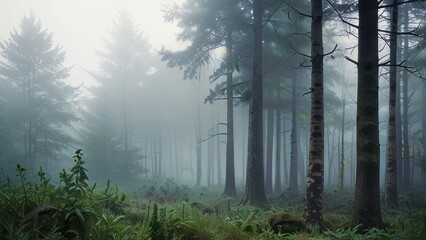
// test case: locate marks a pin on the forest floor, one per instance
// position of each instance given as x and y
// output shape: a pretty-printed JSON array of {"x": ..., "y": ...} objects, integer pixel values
[{"x": 163, "y": 209}]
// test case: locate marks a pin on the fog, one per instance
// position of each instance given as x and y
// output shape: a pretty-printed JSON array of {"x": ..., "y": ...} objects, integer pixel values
[{"x": 144, "y": 121}]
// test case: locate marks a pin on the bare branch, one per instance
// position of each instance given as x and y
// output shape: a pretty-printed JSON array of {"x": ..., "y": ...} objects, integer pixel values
[
  {"x": 341, "y": 17},
  {"x": 351, "y": 60},
  {"x": 396, "y": 4},
  {"x": 213, "y": 135},
  {"x": 297, "y": 11},
  {"x": 272, "y": 14},
  {"x": 335, "y": 47},
  {"x": 296, "y": 51}
]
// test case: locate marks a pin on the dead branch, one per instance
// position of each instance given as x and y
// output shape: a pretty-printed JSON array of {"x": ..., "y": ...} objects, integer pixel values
[{"x": 351, "y": 60}]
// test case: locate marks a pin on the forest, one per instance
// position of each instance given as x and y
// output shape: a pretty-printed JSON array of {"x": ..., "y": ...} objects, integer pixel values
[{"x": 212, "y": 119}]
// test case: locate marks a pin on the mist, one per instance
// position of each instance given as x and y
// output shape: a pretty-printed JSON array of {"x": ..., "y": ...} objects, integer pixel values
[{"x": 161, "y": 99}]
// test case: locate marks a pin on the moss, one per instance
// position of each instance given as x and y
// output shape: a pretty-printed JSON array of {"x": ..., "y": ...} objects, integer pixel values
[{"x": 286, "y": 223}]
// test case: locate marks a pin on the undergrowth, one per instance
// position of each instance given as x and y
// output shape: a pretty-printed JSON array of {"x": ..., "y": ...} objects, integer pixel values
[{"x": 162, "y": 210}]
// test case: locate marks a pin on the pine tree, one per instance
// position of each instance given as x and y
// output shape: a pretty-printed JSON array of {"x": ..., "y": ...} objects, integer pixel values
[
  {"x": 34, "y": 67},
  {"x": 107, "y": 120}
]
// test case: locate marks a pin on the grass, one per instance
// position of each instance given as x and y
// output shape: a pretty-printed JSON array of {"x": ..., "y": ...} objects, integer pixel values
[{"x": 73, "y": 209}]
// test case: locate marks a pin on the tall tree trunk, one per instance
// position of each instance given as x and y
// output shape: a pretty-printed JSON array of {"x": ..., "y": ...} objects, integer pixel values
[
  {"x": 331, "y": 149},
  {"x": 125, "y": 121},
  {"x": 353, "y": 158},
  {"x": 244, "y": 141},
  {"x": 209, "y": 161},
  {"x": 315, "y": 178},
  {"x": 160, "y": 156},
  {"x": 145, "y": 168},
  {"x": 255, "y": 187},
  {"x": 198, "y": 133},
  {"x": 398, "y": 130},
  {"x": 342, "y": 151},
  {"x": 230, "y": 189},
  {"x": 31, "y": 142},
  {"x": 198, "y": 157},
  {"x": 176, "y": 156},
  {"x": 293, "y": 184},
  {"x": 269, "y": 149},
  {"x": 277, "y": 188},
  {"x": 285, "y": 158},
  {"x": 366, "y": 207},
  {"x": 218, "y": 155},
  {"x": 424, "y": 126},
  {"x": 391, "y": 184},
  {"x": 406, "y": 144}
]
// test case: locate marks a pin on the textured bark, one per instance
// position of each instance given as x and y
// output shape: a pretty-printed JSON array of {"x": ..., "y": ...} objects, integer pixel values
[
  {"x": 269, "y": 149},
  {"x": 255, "y": 188},
  {"x": 315, "y": 178},
  {"x": 391, "y": 184},
  {"x": 398, "y": 130},
  {"x": 405, "y": 101},
  {"x": 230, "y": 189},
  {"x": 277, "y": 188},
  {"x": 366, "y": 208},
  {"x": 424, "y": 123},
  {"x": 293, "y": 181}
]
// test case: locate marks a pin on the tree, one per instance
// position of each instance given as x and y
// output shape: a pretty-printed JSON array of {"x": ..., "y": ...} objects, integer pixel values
[
  {"x": 366, "y": 208},
  {"x": 294, "y": 158},
  {"x": 278, "y": 133},
  {"x": 35, "y": 68},
  {"x": 391, "y": 184},
  {"x": 315, "y": 178},
  {"x": 255, "y": 188},
  {"x": 230, "y": 189},
  {"x": 123, "y": 67},
  {"x": 208, "y": 25}
]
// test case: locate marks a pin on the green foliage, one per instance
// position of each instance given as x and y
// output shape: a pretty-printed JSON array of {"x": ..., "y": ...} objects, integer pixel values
[
  {"x": 76, "y": 210},
  {"x": 164, "y": 191},
  {"x": 32, "y": 210}
]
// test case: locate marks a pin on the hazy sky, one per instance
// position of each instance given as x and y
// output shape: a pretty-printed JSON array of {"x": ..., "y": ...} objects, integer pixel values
[{"x": 81, "y": 26}]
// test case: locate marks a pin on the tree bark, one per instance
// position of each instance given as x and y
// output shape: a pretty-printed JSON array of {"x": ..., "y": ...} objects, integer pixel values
[
  {"x": 160, "y": 155},
  {"x": 198, "y": 133},
  {"x": 230, "y": 189},
  {"x": 315, "y": 178},
  {"x": 406, "y": 144},
  {"x": 269, "y": 149},
  {"x": 285, "y": 158},
  {"x": 366, "y": 207},
  {"x": 277, "y": 188},
  {"x": 424, "y": 125},
  {"x": 209, "y": 162},
  {"x": 342, "y": 151},
  {"x": 255, "y": 188},
  {"x": 293, "y": 184},
  {"x": 218, "y": 155},
  {"x": 391, "y": 184}
]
